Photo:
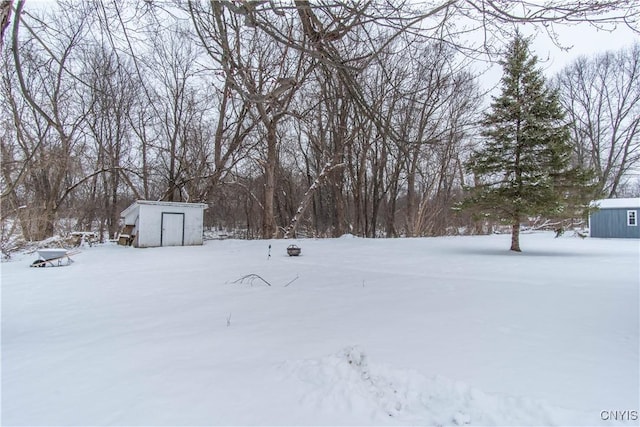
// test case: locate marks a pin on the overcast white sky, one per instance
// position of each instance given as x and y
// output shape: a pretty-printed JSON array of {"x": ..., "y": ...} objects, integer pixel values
[{"x": 582, "y": 39}]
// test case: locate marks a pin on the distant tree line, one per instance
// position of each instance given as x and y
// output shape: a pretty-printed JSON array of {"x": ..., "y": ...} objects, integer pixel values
[{"x": 287, "y": 118}]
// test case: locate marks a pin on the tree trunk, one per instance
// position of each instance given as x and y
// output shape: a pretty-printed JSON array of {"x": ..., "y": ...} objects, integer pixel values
[
  {"x": 5, "y": 16},
  {"x": 268, "y": 219},
  {"x": 515, "y": 236},
  {"x": 42, "y": 226},
  {"x": 412, "y": 229},
  {"x": 114, "y": 215},
  {"x": 339, "y": 208}
]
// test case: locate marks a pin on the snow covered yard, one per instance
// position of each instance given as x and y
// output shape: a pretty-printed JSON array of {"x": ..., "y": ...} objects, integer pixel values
[{"x": 438, "y": 331}]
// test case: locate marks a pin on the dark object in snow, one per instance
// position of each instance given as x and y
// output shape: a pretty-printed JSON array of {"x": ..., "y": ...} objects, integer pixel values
[
  {"x": 250, "y": 278},
  {"x": 293, "y": 250}
]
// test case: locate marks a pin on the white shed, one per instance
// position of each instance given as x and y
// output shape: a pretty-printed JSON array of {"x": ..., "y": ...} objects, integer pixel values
[{"x": 149, "y": 224}]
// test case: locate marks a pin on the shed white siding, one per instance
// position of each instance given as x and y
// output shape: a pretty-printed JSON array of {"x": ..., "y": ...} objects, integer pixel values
[{"x": 165, "y": 223}]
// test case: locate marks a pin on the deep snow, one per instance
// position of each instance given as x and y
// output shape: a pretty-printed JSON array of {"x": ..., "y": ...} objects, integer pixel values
[{"x": 437, "y": 331}]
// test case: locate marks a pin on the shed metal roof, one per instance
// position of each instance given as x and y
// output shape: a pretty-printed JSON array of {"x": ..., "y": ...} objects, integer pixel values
[
  {"x": 617, "y": 203},
  {"x": 161, "y": 203}
]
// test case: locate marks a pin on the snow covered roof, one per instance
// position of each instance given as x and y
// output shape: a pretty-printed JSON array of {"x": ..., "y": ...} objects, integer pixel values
[
  {"x": 161, "y": 203},
  {"x": 617, "y": 203}
]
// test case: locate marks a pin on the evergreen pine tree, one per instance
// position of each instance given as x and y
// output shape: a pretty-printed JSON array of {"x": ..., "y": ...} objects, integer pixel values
[{"x": 524, "y": 167}]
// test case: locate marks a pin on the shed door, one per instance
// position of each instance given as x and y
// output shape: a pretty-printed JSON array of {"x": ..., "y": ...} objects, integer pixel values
[{"x": 172, "y": 233}]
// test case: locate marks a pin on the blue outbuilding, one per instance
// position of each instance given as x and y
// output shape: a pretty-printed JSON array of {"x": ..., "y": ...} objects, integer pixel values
[{"x": 616, "y": 218}]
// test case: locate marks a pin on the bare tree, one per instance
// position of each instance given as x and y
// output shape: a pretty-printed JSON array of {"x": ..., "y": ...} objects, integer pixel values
[
  {"x": 347, "y": 36},
  {"x": 108, "y": 107},
  {"x": 47, "y": 121},
  {"x": 325, "y": 114},
  {"x": 264, "y": 74},
  {"x": 5, "y": 17},
  {"x": 174, "y": 86},
  {"x": 602, "y": 97}
]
